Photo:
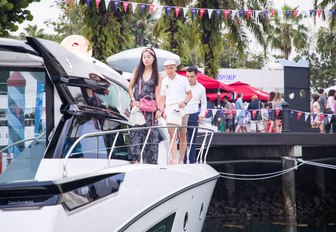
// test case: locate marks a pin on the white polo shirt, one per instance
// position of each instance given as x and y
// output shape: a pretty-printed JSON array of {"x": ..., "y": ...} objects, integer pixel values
[
  {"x": 175, "y": 90},
  {"x": 198, "y": 96}
]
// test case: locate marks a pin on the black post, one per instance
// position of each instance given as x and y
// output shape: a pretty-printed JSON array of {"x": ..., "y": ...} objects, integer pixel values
[
  {"x": 285, "y": 117},
  {"x": 218, "y": 98}
]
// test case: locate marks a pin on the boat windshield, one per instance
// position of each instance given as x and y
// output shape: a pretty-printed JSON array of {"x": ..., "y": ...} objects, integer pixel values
[{"x": 22, "y": 121}]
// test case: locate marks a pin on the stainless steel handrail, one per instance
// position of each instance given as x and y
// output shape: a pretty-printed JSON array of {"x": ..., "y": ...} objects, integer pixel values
[
  {"x": 117, "y": 132},
  {"x": 22, "y": 141}
]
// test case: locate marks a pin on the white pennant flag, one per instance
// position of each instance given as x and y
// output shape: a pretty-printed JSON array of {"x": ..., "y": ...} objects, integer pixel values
[
  {"x": 234, "y": 12},
  {"x": 304, "y": 13},
  {"x": 159, "y": 10},
  {"x": 185, "y": 11},
  {"x": 329, "y": 117},
  {"x": 327, "y": 13},
  {"x": 210, "y": 13},
  {"x": 306, "y": 116},
  {"x": 77, "y": 2},
  {"x": 134, "y": 5},
  {"x": 214, "y": 111},
  {"x": 107, "y": 2}
]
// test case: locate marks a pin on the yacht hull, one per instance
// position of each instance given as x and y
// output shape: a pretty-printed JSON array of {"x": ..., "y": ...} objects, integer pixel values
[{"x": 172, "y": 198}]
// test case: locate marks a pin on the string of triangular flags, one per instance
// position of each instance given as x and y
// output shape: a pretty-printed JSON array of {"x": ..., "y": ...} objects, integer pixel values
[
  {"x": 249, "y": 13},
  {"x": 271, "y": 113}
]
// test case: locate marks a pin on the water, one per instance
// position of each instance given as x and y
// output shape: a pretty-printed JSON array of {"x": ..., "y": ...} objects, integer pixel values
[{"x": 266, "y": 226}]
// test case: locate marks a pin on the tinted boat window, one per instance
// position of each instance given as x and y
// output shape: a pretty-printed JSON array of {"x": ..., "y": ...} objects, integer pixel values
[{"x": 97, "y": 147}]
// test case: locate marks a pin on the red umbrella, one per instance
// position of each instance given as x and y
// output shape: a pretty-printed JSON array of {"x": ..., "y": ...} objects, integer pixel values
[
  {"x": 248, "y": 91},
  {"x": 211, "y": 85}
]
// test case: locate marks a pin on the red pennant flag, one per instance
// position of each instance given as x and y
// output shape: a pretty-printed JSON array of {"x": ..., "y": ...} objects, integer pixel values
[
  {"x": 226, "y": 13},
  {"x": 202, "y": 13},
  {"x": 296, "y": 13},
  {"x": 69, "y": 1},
  {"x": 249, "y": 13},
  {"x": 319, "y": 11},
  {"x": 254, "y": 113},
  {"x": 97, "y": 3},
  {"x": 206, "y": 113},
  {"x": 321, "y": 117},
  {"x": 273, "y": 13},
  {"x": 229, "y": 112},
  {"x": 177, "y": 11},
  {"x": 125, "y": 6},
  {"x": 299, "y": 115},
  {"x": 151, "y": 8},
  {"x": 277, "y": 111}
]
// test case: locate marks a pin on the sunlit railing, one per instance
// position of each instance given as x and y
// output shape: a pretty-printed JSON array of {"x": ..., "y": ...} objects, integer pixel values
[{"x": 203, "y": 141}]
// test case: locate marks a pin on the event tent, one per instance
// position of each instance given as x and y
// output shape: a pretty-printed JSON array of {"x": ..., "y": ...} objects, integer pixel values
[
  {"x": 248, "y": 91},
  {"x": 211, "y": 85}
]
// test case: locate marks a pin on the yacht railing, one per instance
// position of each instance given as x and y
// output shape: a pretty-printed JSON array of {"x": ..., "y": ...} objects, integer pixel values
[
  {"x": 207, "y": 135},
  {"x": 37, "y": 139}
]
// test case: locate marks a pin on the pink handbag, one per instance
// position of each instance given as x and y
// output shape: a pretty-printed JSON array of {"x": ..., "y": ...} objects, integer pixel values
[{"x": 146, "y": 104}]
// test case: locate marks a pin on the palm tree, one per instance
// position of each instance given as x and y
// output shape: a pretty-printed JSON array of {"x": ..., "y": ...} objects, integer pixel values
[
  {"x": 33, "y": 30},
  {"x": 288, "y": 33}
]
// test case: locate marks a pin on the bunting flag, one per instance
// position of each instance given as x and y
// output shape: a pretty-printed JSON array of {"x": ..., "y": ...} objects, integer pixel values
[
  {"x": 254, "y": 113},
  {"x": 321, "y": 117},
  {"x": 306, "y": 116},
  {"x": 291, "y": 114},
  {"x": 299, "y": 115},
  {"x": 277, "y": 111},
  {"x": 177, "y": 11},
  {"x": 329, "y": 117},
  {"x": 202, "y": 12},
  {"x": 249, "y": 13},
  {"x": 125, "y": 4},
  {"x": 151, "y": 8},
  {"x": 314, "y": 116},
  {"x": 168, "y": 10},
  {"x": 116, "y": 5}
]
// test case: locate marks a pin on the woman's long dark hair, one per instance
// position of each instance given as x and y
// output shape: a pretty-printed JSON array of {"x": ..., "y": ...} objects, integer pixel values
[{"x": 141, "y": 67}]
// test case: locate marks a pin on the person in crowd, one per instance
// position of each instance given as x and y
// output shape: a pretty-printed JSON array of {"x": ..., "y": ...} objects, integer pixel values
[
  {"x": 227, "y": 114},
  {"x": 322, "y": 101},
  {"x": 195, "y": 109},
  {"x": 330, "y": 109},
  {"x": 271, "y": 112},
  {"x": 255, "y": 107},
  {"x": 145, "y": 81},
  {"x": 315, "y": 120},
  {"x": 277, "y": 106},
  {"x": 209, "y": 107},
  {"x": 176, "y": 94},
  {"x": 240, "y": 113}
]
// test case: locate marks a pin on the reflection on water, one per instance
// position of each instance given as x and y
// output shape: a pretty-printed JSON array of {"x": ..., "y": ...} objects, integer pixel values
[{"x": 266, "y": 226}]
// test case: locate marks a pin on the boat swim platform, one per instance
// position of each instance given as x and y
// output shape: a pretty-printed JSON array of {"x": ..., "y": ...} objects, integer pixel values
[{"x": 228, "y": 146}]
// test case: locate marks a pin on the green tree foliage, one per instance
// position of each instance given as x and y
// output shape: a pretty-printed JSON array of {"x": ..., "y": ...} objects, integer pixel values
[
  {"x": 168, "y": 28},
  {"x": 13, "y": 12},
  {"x": 287, "y": 33},
  {"x": 322, "y": 61},
  {"x": 106, "y": 29}
]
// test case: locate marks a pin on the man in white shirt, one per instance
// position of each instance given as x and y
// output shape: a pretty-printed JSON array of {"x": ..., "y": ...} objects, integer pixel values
[
  {"x": 176, "y": 93},
  {"x": 196, "y": 109}
]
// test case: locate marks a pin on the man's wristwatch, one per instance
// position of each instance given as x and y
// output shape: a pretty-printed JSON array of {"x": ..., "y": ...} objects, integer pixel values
[{"x": 185, "y": 103}]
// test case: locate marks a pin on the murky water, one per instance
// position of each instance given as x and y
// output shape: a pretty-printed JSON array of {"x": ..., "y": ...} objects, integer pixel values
[{"x": 267, "y": 226}]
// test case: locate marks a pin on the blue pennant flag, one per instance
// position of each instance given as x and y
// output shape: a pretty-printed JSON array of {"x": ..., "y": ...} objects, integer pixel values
[
  {"x": 265, "y": 13},
  {"x": 116, "y": 5},
  {"x": 193, "y": 12},
  {"x": 288, "y": 12},
  {"x": 169, "y": 8},
  {"x": 218, "y": 13},
  {"x": 241, "y": 13},
  {"x": 143, "y": 7},
  {"x": 311, "y": 12},
  {"x": 88, "y": 2}
]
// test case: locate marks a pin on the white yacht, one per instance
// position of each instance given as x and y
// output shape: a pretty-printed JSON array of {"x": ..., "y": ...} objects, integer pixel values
[{"x": 64, "y": 138}]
